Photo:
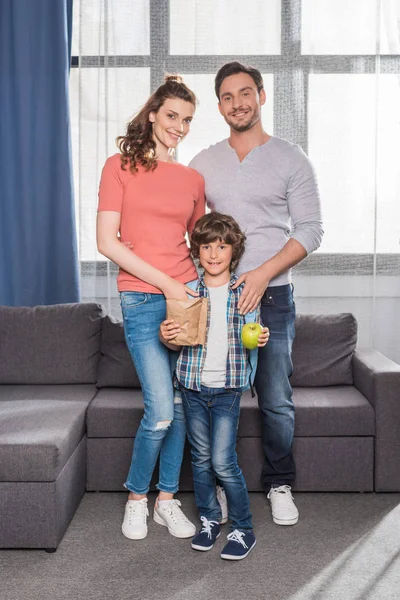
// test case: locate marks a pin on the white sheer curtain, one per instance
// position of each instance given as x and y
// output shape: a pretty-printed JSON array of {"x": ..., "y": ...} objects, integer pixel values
[
  {"x": 332, "y": 74},
  {"x": 353, "y": 124}
]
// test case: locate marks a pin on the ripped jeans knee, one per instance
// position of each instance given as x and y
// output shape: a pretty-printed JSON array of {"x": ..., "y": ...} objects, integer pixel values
[{"x": 162, "y": 425}]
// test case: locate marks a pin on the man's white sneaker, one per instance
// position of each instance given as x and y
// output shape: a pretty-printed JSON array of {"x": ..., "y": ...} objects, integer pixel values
[
  {"x": 284, "y": 511},
  {"x": 134, "y": 526},
  {"x": 169, "y": 514},
  {"x": 223, "y": 502}
]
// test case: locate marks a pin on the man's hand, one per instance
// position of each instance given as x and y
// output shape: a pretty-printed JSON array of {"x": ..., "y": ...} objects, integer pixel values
[
  {"x": 263, "y": 337},
  {"x": 169, "y": 329},
  {"x": 254, "y": 287}
]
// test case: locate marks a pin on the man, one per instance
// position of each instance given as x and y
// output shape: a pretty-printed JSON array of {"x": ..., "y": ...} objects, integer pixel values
[{"x": 268, "y": 186}]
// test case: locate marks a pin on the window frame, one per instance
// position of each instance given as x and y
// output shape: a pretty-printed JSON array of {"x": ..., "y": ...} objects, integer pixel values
[{"x": 161, "y": 61}]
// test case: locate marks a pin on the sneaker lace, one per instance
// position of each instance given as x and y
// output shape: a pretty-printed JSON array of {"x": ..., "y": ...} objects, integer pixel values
[
  {"x": 220, "y": 490},
  {"x": 175, "y": 512},
  {"x": 282, "y": 489},
  {"x": 138, "y": 512},
  {"x": 221, "y": 495},
  {"x": 237, "y": 536},
  {"x": 207, "y": 526}
]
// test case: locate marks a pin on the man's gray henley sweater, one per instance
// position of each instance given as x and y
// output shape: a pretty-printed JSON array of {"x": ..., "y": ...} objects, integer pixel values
[{"x": 272, "y": 194}]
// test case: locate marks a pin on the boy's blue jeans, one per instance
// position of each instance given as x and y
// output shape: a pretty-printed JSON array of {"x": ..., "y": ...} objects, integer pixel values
[
  {"x": 212, "y": 420},
  {"x": 162, "y": 431},
  {"x": 273, "y": 386}
]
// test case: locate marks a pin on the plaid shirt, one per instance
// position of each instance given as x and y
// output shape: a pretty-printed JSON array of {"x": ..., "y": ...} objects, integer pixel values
[{"x": 191, "y": 359}]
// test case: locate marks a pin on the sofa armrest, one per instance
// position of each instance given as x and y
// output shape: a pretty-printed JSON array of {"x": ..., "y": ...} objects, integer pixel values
[{"x": 378, "y": 379}]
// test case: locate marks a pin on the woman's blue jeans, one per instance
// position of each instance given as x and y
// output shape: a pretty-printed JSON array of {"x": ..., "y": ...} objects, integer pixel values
[
  {"x": 162, "y": 430},
  {"x": 212, "y": 417}
]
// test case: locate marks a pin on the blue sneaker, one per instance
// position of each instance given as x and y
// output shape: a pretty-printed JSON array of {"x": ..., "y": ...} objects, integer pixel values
[
  {"x": 240, "y": 543},
  {"x": 205, "y": 539}
]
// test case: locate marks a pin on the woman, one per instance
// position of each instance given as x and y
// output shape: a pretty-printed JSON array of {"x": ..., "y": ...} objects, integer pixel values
[{"x": 152, "y": 201}]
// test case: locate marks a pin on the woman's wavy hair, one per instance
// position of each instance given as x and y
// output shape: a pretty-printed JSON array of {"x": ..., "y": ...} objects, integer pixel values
[
  {"x": 216, "y": 226},
  {"x": 137, "y": 145}
]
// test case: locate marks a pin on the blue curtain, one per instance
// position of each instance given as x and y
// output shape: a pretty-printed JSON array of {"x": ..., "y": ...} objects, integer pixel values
[{"x": 38, "y": 250}]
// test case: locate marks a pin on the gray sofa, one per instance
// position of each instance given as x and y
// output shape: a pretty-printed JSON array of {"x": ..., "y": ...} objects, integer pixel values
[{"x": 70, "y": 404}]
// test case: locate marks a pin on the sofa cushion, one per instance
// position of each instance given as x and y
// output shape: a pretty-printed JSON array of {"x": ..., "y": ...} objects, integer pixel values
[
  {"x": 115, "y": 413},
  {"x": 56, "y": 344},
  {"x": 115, "y": 365},
  {"x": 74, "y": 393},
  {"x": 323, "y": 349},
  {"x": 322, "y": 352},
  {"x": 331, "y": 411},
  {"x": 37, "y": 437}
]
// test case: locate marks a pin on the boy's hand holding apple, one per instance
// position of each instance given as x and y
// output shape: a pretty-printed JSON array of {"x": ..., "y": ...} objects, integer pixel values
[
  {"x": 263, "y": 337},
  {"x": 254, "y": 335}
]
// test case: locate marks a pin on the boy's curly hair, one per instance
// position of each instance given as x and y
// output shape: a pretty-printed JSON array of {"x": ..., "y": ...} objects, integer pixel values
[{"x": 216, "y": 226}]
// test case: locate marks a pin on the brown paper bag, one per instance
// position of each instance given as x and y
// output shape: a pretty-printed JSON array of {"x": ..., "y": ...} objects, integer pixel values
[{"x": 192, "y": 318}]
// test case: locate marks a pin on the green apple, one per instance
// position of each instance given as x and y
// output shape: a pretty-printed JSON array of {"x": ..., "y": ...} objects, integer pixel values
[{"x": 250, "y": 333}]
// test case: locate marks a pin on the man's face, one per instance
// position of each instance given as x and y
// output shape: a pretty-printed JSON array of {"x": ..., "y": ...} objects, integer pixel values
[{"x": 239, "y": 101}]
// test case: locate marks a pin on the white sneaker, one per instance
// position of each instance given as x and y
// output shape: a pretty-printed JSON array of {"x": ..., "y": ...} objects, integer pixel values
[
  {"x": 284, "y": 511},
  {"x": 134, "y": 526},
  {"x": 223, "y": 502},
  {"x": 170, "y": 515}
]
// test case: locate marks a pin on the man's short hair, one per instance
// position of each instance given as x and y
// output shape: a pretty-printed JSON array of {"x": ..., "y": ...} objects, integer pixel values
[
  {"x": 216, "y": 226},
  {"x": 233, "y": 68}
]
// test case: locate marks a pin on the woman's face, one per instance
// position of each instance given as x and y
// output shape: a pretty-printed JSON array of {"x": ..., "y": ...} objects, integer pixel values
[{"x": 171, "y": 123}]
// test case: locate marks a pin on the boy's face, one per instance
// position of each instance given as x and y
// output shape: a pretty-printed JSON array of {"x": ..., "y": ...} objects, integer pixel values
[{"x": 215, "y": 257}]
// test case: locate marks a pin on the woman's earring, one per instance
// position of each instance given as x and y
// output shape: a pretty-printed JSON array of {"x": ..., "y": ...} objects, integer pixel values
[{"x": 171, "y": 152}]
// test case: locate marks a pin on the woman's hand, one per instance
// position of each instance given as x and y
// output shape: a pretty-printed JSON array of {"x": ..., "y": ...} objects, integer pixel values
[
  {"x": 263, "y": 337},
  {"x": 169, "y": 329},
  {"x": 174, "y": 289},
  {"x": 177, "y": 290}
]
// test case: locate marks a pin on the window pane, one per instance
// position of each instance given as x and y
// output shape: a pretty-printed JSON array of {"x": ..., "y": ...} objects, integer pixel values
[
  {"x": 349, "y": 26},
  {"x": 208, "y": 125},
  {"x": 342, "y": 113},
  {"x": 225, "y": 27},
  {"x": 110, "y": 27},
  {"x": 102, "y": 102},
  {"x": 388, "y": 165}
]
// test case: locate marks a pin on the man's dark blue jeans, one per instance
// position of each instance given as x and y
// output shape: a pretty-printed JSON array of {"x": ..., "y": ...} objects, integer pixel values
[{"x": 273, "y": 387}]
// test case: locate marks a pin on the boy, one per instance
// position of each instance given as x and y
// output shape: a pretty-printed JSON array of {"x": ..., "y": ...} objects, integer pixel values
[{"x": 212, "y": 378}]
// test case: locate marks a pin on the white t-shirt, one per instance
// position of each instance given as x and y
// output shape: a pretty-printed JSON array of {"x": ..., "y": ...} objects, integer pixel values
[{"x": 214, "y": 369}]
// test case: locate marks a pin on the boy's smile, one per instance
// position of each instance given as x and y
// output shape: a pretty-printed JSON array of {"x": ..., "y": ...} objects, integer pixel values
[{"x": 215, "y": 258}]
